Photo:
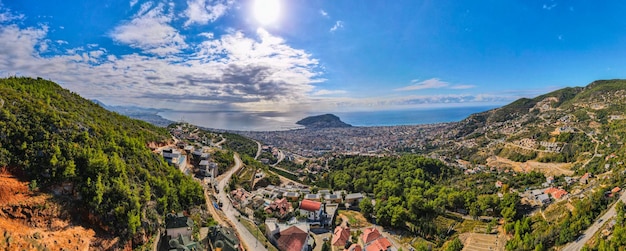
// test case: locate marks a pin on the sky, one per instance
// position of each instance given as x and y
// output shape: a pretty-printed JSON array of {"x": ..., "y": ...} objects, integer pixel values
[{"x": 312, "y": 55}]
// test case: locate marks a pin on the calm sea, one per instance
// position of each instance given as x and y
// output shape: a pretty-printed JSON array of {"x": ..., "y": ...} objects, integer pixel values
[{"x": 275, "y": 121}]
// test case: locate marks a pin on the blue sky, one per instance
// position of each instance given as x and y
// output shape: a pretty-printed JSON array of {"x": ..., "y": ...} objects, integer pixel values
[{"x": 312, "y": 55}]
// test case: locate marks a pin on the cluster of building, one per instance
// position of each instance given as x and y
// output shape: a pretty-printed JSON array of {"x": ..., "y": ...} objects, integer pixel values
[
  {"x": 369, "y": 240},
  {"x": 293, "y": 211},
  {"x": 200, "y": 159},
  {"x": 294, "y": 234},
  {"x": 178, "y": 236},
  {"x": 351, "y": 140}
]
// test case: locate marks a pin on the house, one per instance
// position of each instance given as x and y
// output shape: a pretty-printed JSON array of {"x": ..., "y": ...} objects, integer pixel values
[
  {"x": 200, "y": 154},
  {"x": 370, "y": 234},
  {"x": 323, "y": 192},
  {"x": 280, "y": 208},
  {"x": 291, "y": 196},
  {"x": 354, "y": 247},
  {"x": 585, "y": 178},
  {"x": 616, "y": 190},
  {"x": 341, "y": 236},
  {"x": 173, "y": 156},
  {"x": 176, "y": 224},
  {"x": 557, "y": 193},
  {"x": 178, "y": 233},
  {"x": 374, "y": 241},
  {"x": 379, "y": 244},
  {"x": 223, "y": 238},
  {"x": 312, "y": 209},
  {"x": 293, "y": 239},
  {"x": 208, "y": 169},
  {"x": 341, "y": 193},
  {"x": 240, "y": 197},
  {"x": 188, "y": 148},
  {"x": 330, "y": 211},
  {"x": 498, "y": 184},
  {"x": 313, "y": 196},
  {"x": 353, "y": 199},
  {"x": 544, "y": 199},
  {"x": 292, "y": 236},
  {"x": 332, "y": 198}
]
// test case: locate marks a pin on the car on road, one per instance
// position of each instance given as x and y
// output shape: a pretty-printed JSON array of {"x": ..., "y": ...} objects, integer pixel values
[{"x": 580, "y": 237}]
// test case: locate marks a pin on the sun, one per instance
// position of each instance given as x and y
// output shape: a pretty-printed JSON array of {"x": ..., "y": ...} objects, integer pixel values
[{"x": 266, "y": 11}]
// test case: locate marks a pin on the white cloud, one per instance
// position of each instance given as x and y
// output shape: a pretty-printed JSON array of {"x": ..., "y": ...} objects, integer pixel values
[
  {"x": 338, "y": 25},
  {"x": 233, "y": 71},
  {"x": 150, "y": 31},
  {"x": 133, "y": 2},
  {"x": 324, "y": 92},
  {"x": 426, "y": 84},
  {"x": 433, "y": 83},
  {"x": 205, "y": 11},
  {"x": 208, "y": 35},
  {"x": 7, "y": 15},
  {"x": 549, "y": 7},
  {"x": 462, "y": 87},
  {"x": 324, "y": 13}
]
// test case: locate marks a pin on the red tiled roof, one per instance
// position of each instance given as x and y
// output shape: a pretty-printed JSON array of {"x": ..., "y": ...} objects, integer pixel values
[
  {"x": 340, "y": 236},
  {"x": 379, "y": 244},
  {"x": 585, "y": 176},
  {"x": 556, "y": 193},
  {"x": 354, "y": 247},
  {"x": 615, "y": 190},
  {"x": 370, "y": 234},
  {"x": 310, "y": 205},
  {"x": 292, "y": 239}
]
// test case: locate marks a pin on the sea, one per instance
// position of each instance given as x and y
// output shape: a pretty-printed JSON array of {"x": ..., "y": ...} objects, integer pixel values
[{"x": 279, "y": 121}]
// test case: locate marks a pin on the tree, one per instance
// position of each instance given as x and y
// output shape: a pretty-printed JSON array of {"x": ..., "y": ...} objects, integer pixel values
[
  {"x": 326, "y": 246},
  {"x": 366, "y": 207},
  {"x": 508, "y": 213},
  {"x": 455, "y": 245}
]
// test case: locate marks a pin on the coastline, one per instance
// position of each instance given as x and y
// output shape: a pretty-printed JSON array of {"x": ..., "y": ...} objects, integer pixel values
[{"x": 267, "y": 122}]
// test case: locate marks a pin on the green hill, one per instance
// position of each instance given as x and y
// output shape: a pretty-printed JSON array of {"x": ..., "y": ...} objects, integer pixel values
[
  {"x": 322, "y": 121},
  {"x": 56, "y": 137}
]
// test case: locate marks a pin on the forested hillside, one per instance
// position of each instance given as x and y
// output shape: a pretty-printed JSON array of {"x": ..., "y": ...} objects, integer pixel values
[{"x": 58, "y": 139}]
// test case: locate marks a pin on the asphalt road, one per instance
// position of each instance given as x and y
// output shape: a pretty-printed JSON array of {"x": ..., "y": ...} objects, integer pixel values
[
  {"x": 579, "y": 243},
  {"x": 258, "y": 150},
  {"x": 248, "y": 240},
  {"x": 281, "y": 157}
]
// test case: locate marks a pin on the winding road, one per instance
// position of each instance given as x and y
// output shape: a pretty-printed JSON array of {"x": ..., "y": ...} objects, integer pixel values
[
  {"x": 281, "y": 157},
  {"x": 247, "y": 239},
  {"x": 580, "y": 242},
  {"x": 258, "y": 150}
]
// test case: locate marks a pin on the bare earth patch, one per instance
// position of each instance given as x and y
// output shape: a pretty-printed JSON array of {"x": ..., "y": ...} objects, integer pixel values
[
  {"x": 480, "y": 242},
  {"x": 548, "y": 169},
  {"x": 32, "y": 221}
]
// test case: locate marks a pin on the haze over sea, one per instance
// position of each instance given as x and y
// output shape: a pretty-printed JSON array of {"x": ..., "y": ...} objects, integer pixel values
[{"x": 276, "y": 121}]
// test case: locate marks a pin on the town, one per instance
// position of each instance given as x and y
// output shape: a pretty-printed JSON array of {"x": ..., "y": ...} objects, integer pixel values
[
  {"x": 289, "y": 216},
  {"x": 254, "y": 214}
]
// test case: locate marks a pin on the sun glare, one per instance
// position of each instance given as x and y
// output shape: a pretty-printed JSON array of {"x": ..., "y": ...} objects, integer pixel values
[{"x": 266, "y": 11}]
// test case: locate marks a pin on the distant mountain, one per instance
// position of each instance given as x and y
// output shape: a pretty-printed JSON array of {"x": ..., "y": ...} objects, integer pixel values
[
  {"x": 149, "y": 115},
  {"x": 322, "y": 121}
]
